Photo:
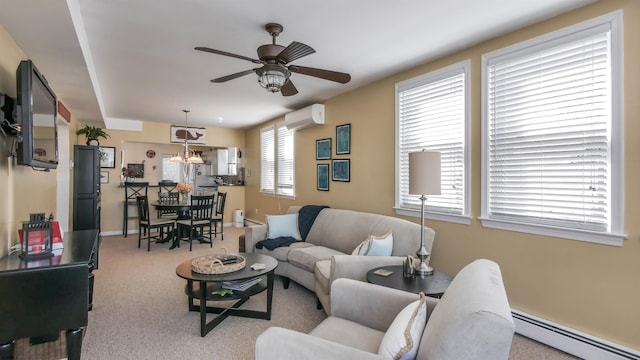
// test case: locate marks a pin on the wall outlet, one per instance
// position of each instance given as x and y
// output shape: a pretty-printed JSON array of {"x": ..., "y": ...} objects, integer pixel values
[{"x": 256, "y": 211}]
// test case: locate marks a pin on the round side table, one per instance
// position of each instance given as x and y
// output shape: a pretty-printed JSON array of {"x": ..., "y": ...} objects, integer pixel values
[{"x": 432, "y": 285}]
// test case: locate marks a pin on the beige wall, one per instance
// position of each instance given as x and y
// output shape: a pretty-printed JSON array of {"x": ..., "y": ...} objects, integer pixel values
[
  {"x": 589, "y": 287},
  {"x": 22, "y": 190}
]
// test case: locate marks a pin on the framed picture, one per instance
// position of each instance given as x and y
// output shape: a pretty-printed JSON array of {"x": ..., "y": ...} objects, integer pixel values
[
  {"x": 343, "y": 139},
  {"x": 107, "y": 157},
  {"x": 323, "y": 177},
  {"x": 136, "y": 170},
  {"x": 192, "y": 135},
  {"x": 341, "y": 170},
  {"x": 323, "y": 149},
  {"x": 104, "y": 177}
]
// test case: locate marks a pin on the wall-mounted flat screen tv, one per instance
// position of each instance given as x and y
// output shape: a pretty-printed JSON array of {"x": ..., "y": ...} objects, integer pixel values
[{"x": 37, "y": 111}]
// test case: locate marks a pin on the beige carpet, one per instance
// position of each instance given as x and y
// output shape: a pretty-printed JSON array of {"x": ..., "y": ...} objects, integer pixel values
[{"x": 140, "y": 311}]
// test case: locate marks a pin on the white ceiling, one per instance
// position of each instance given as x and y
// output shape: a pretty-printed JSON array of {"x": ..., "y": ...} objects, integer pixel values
[{"x": 135, "y": 59}]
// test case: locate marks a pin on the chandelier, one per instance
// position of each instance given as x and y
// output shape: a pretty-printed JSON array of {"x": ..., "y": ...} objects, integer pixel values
[
  {"x": 272, "y": 77},
  {"x": 189, "y": 157}
]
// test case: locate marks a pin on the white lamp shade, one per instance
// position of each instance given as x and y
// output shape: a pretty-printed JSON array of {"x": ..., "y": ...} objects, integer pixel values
[{"x": 424, "y": 173}]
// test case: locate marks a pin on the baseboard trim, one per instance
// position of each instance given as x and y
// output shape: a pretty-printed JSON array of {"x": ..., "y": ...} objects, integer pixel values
[
  {"x": 249, "y": 222},
  {"x": 135, "y": 231},
  {"x": 569, "y": 340}
]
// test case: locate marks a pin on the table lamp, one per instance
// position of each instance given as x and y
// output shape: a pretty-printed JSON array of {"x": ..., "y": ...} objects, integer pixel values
[{"x": 424, "y": 179}]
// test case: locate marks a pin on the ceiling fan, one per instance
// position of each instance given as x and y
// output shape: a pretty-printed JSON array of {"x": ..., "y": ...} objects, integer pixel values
[{"x": 274, "y": 75}]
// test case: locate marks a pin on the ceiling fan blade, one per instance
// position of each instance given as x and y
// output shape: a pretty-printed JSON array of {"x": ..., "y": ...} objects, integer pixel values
[
  {"x": 339, "y": 77},
  {"x": 288, "y": 88},
  {"x": 232, "y": 76},
  {"x": 220, "y": 52},
  {"x": 294, "y": 51}
]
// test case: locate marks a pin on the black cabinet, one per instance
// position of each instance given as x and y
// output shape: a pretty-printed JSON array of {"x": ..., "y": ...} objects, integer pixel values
[{"x": 86, "y": 187}]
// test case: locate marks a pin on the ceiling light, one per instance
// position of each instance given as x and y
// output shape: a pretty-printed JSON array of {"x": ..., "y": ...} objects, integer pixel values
[
  {"x": 189, "y": 157},
  {"x": 273, "y": 77}
]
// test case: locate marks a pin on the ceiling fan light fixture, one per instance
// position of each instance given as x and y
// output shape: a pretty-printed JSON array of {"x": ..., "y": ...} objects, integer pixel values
[{"x": 273, "y": 79}]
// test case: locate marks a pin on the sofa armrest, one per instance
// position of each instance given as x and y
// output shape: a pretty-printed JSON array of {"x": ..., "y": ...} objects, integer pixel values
[
  {"x": 253, "y": 234},
  {"x": 370, "y": 305},
  {"x": 356, "y": 267},
  {"x": 277, "y": 343}
]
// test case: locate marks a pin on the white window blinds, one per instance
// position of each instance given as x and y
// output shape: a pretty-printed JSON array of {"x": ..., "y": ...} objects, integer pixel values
[
  {"x": 549, "y": 131},
  {"x": 267, "y": 159},
  {"x": 432, "y": 116},
  {"x": 285, "y": 161}
]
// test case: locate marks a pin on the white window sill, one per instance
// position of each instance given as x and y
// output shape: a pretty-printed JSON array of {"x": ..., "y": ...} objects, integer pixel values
[
  {"x": 572, "y": 234},
  {"x": 458, "y": 219}
]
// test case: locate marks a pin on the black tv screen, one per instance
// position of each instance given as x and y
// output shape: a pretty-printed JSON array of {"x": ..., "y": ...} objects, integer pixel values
[{"x": 37, "y": 111}]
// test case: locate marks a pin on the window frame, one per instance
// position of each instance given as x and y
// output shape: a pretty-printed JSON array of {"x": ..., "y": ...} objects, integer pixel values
[
  {"x": 263, "y": 164},
  {"x": 464, "y": 68},
  {"x": 282, "y": 152},
  {"x": 614, "y": 236}
]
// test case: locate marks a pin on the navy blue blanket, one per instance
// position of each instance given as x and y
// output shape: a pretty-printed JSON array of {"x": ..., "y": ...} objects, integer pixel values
[{"x": 306, "y": 216}]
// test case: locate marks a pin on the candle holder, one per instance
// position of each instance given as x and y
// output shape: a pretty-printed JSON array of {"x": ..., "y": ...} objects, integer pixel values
[{"x": 36, "y": 238}]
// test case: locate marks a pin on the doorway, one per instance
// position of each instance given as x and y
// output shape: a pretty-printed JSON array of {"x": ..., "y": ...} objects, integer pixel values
[{"x": 63, "y": 175}]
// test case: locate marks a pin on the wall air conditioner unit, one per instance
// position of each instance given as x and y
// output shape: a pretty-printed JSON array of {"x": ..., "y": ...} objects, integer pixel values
[{"x": 310, "y": 116}]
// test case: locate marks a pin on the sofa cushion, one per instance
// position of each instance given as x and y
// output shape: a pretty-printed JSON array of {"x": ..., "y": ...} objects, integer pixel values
[
  {"x": 282, "y": 253},
  {"x": 403, "y": 336},
  {"x": 307, "y": 257},
  {"x": 348, "y": 333},
  {"x": 375, "y": 245},
  {"x": 283, "y": 226}
]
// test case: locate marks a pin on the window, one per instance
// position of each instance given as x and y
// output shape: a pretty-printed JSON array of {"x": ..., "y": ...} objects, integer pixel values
[
  {"x": 432, "y": 114},
  {"x": 267, "y": 160},
  {"x": 552, "y": 144},
  {"x": 171, "y": 170},
  {"x": 277, "y": 174},
  {"x": 286, "y": 173}
]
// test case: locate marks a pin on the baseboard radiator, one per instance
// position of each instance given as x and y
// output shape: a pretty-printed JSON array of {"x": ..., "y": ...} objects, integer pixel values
[{"x": 569, "y": 340}]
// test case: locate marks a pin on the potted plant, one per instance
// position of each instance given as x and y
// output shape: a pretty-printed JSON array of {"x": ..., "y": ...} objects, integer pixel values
[{"x": 92, "y": 133}]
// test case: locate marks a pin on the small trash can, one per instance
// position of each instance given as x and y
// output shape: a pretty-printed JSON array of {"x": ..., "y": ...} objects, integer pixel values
[{"x": 238, "y": 218}]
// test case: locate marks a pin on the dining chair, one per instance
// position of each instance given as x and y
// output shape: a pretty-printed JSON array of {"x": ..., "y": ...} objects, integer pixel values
[
  {"x": 218, "y": 217},
  {"x": 200, "y": 217},
  {"x": 168, "y": 198},
  {"x": 167, "y": 186},
  {"x": 148, "y": 224},
  {"x": 131, "y": 191}
]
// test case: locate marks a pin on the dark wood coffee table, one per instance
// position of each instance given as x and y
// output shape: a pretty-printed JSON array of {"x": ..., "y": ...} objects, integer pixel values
[
  {"x": 432, "y": 285},
  {"x": 201, "y": 287}
]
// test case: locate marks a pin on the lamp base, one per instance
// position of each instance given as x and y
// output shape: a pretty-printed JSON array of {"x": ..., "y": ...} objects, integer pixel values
[{"x": 423, "y": 270}]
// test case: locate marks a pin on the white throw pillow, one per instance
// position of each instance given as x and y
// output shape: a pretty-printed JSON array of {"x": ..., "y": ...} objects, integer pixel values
[
  {"x": 403, "y": 336},
  {"x": 283, "y": 225},
  {"x": 375, "y": 246}
]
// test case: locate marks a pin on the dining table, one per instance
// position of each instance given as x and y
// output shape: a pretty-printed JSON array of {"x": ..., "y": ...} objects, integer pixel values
[{"x": 182, "y": 210}]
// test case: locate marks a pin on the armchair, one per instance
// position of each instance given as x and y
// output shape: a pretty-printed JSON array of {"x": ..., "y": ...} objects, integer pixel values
[{"x": 471, "y": 321}]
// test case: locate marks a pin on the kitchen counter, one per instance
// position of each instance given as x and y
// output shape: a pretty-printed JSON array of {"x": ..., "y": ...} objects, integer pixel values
[{"x": 235, "y": 200}]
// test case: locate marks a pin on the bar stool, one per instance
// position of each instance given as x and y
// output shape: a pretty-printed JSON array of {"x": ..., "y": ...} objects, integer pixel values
[{"x": 131, "y": 191}]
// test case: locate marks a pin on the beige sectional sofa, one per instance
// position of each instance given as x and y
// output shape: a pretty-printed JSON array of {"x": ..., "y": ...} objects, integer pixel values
[{"x": 325, "y": 255}]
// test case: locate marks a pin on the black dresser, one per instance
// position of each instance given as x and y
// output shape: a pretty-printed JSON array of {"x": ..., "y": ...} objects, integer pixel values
[{"x": 40, "y": 298}]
